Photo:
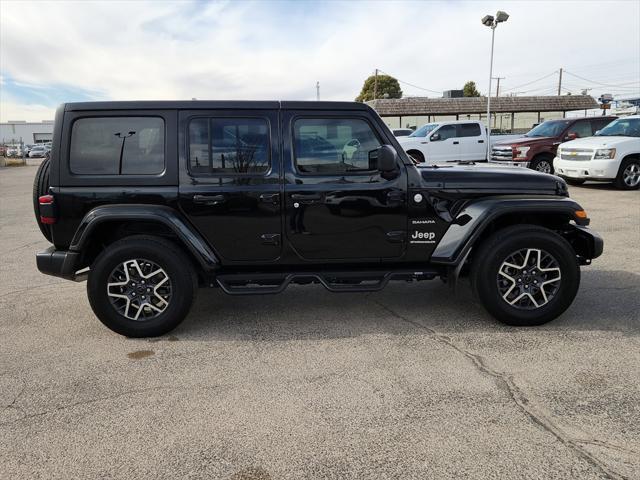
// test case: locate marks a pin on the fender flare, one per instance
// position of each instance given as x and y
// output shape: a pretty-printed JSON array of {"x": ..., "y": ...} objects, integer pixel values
[
  {"x": 472, "y": 221},
  {"x": 168, "y": 217}
]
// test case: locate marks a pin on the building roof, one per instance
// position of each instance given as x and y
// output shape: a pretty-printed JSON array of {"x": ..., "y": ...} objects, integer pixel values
[{"x": 422, "y": 106}]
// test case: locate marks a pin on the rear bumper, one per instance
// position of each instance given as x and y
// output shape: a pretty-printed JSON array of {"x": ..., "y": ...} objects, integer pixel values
[{"x": 59, "y": 263}]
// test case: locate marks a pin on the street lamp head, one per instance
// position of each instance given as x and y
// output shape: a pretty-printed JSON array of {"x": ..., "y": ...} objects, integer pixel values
[
  {"x": 487, "y": 20},
  {"x": 501, "y": 16}
]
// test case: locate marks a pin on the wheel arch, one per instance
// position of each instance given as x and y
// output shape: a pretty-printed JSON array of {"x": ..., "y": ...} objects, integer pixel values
[
  {"x": 480, "y": 219},
  {"x": 114, "y": 222}
]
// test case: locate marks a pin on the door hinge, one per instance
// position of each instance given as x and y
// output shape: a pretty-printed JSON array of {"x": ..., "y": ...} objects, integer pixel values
[{"x": 270, "y": 239}]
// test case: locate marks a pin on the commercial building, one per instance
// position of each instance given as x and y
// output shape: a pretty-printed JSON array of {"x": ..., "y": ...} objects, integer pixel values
[
  {"x": 14, "y": 132},
  {"x": 508, "y": 114}
]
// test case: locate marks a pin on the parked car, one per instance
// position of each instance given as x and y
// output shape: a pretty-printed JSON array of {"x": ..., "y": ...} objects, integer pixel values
[
  {"x": 612, "y": 155},
  {"x": 536, "y": 149},
  {"x": 13, "y": 151},
  {"x": 37, "y": 151},
  {"x": 402, "y": 132},
  {"x": 330, "y": 198},
  {"x": 447, "y": 142},
  {"x": 27, "y": 148}
]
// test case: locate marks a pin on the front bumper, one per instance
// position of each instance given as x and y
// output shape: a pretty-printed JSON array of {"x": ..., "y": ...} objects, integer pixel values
[
  {"x": 60, "y": 263},
  {"x": 510, "y": 164},
  {"x": 606, "y": 169},
  {"x": 587, "y": 243}
]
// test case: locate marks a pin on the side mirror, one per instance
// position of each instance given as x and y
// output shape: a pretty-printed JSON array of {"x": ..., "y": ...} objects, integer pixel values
[
  {"x": 387, "y": 158},
  {"x": 571, "y": 136},
  {"x": 435, "y": 137}
]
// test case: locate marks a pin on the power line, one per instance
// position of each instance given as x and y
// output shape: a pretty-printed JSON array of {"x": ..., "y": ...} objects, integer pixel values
[
  {"x": 410, "y": 84},
  {"x": 529, "y": 83},
  {"x": 594, "y": 82}
]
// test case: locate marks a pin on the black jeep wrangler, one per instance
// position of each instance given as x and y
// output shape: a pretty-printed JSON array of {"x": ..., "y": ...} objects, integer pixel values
[{"x": 151, "y": 200}]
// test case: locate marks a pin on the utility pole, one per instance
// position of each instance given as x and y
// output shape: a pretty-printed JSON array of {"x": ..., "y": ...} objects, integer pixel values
[
  {"x": 375, "y": 85},
  {"x": 498, "y": 87},
  {"x": 560, "y": 82},
  {"x": 318, "y": 91}
]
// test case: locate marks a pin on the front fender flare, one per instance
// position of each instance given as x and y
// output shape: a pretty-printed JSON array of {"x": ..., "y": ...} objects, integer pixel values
[
  {"x": 471, "y": 222},
  {"x": 151, "y": 213}
]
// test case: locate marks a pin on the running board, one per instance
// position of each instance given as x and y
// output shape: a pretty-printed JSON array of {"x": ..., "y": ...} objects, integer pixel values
[{"x": 339, "y": 281}]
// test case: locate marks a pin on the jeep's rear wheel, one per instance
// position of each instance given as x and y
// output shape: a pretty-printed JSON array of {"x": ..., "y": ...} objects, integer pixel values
[
  {"x": 525, "y": 275},
  {"x": 141, "y": 286},
  {"x": 41, "y": 187}
]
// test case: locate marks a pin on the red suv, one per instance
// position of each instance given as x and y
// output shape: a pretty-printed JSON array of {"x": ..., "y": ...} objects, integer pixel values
[{"x": 536, "y": 149}]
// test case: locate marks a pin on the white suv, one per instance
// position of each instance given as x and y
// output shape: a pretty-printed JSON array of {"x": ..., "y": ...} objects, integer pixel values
[{"x": 612, "y": 155}]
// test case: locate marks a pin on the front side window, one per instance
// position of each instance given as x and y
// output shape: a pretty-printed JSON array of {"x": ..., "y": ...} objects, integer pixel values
[
  {"x": 552, "y": 128},
  {"x": 581, "y": 129},
  {"x": 469, "y": 130},
  {"x": 228, "y": 146},
  {"x": 424, "y": 130},
  {"x": 446, "y": 131},
  {"x": 117, "y": 146},
  {"x": 332, "y": 145}
]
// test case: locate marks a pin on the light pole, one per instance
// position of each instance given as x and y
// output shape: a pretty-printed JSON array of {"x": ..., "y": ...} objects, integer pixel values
[{"x": 492, "y": 23}]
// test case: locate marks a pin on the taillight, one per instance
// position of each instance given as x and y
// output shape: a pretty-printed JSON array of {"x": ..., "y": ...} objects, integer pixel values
[{"x": 47, "y": 210}]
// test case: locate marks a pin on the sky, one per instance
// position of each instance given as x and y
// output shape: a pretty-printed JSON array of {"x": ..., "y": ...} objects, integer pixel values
[{"x": 54, "y": 52}]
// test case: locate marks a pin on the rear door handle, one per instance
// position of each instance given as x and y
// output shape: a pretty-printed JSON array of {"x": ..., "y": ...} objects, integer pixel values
[
  {"x": 456, "y": 143},
  {"x": 306, "y": 196},
  {"x": 209, "y": 199},
  {"x": 270, "y": 198},
  {"x": 480, "y": 141}
]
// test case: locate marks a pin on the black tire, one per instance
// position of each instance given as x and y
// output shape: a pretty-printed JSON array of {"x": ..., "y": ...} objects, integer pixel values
[
  {"x": 629, "y": 163},
  {"x": 574, "y": 181},
  {"x": 542, "y": 163},
  {"x": 418, "y": 156},
  {"x": 496, "y": 249},
  {"x": 163, "y": 253},
  {"x": 41, "y": 187}
]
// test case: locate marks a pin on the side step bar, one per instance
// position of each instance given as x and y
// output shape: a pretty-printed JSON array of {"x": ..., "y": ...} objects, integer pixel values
[{"x": 339, "y": 281}]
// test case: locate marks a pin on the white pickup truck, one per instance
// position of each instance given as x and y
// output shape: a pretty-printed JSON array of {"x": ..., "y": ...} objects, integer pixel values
[{"x": 460, "y": 140}]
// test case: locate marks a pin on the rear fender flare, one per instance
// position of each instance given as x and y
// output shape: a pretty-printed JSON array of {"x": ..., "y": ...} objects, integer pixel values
[{"x": 168, "y": 217}]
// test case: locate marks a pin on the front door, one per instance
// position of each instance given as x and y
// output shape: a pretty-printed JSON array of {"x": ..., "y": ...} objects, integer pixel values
[
  {"x": 230, "y": 181},
  {"x": 444, "y": 146},
  {"x": 338, "y": 205}
]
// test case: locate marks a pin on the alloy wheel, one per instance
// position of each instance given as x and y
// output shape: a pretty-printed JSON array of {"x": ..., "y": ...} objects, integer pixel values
[
  {"x": 543, "y": 166},
  {"x": 529, "y": 278},
  {"x": 139, "y": 289},
  {"x": 631, "y": 175}
]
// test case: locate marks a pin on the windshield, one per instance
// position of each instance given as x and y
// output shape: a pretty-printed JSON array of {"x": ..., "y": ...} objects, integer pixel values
[
  {"x": 424, "y": 130},
  {"x": 552, "y": 128},
  {"x": 623, "y": 127}
]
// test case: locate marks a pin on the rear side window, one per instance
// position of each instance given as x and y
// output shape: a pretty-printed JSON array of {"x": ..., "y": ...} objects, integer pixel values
[
  {"x": 228, "y": 146},
  {"x": 117, "y": 146},
  {"x": 468, "y": 130}
]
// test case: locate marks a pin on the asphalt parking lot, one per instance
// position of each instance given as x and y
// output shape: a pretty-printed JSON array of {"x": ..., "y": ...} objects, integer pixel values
[{"x": 410, "y": 382}]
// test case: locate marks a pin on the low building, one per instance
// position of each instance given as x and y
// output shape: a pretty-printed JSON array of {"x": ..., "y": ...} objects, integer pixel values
[
  {"x": 508, "y": 114},
  {"x": 14, "y": 132}
]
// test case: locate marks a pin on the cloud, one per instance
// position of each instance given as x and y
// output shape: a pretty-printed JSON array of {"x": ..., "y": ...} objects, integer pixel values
[{"x": 266, "y": 50}]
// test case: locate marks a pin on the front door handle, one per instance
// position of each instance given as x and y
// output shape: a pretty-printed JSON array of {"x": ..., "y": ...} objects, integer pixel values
[
  {"x": 456, "y": 143},
  {"x": 270, "y": 198},
  {"x": 306, "y": 196},
  {"x": 209, "y": 199},
  {"x": 480, "y": 141}
]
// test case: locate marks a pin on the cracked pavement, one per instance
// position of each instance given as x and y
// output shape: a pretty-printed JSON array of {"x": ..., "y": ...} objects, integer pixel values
[{"x": 410, "y": 382}]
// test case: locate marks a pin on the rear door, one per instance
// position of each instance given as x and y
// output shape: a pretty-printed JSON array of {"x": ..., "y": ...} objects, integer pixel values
[
  {"x": 230, "y": 181},
  {"x": 472, "y": 141},
  {"x": 444, "y": 145}
]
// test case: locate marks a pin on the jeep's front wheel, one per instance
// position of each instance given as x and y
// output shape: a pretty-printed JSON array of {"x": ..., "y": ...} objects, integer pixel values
[
  {"x": 141, "y": 286},
  {"x": 525, "y": 275}
]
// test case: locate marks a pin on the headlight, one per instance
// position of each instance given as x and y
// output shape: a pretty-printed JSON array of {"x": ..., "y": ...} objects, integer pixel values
[
  {"x": 605, "y": 153},
  {"x": 520, "y": 152}
]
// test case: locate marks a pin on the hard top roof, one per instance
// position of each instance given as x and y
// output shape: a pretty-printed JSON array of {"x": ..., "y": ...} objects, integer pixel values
[{"x": 214, "y": 105}]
